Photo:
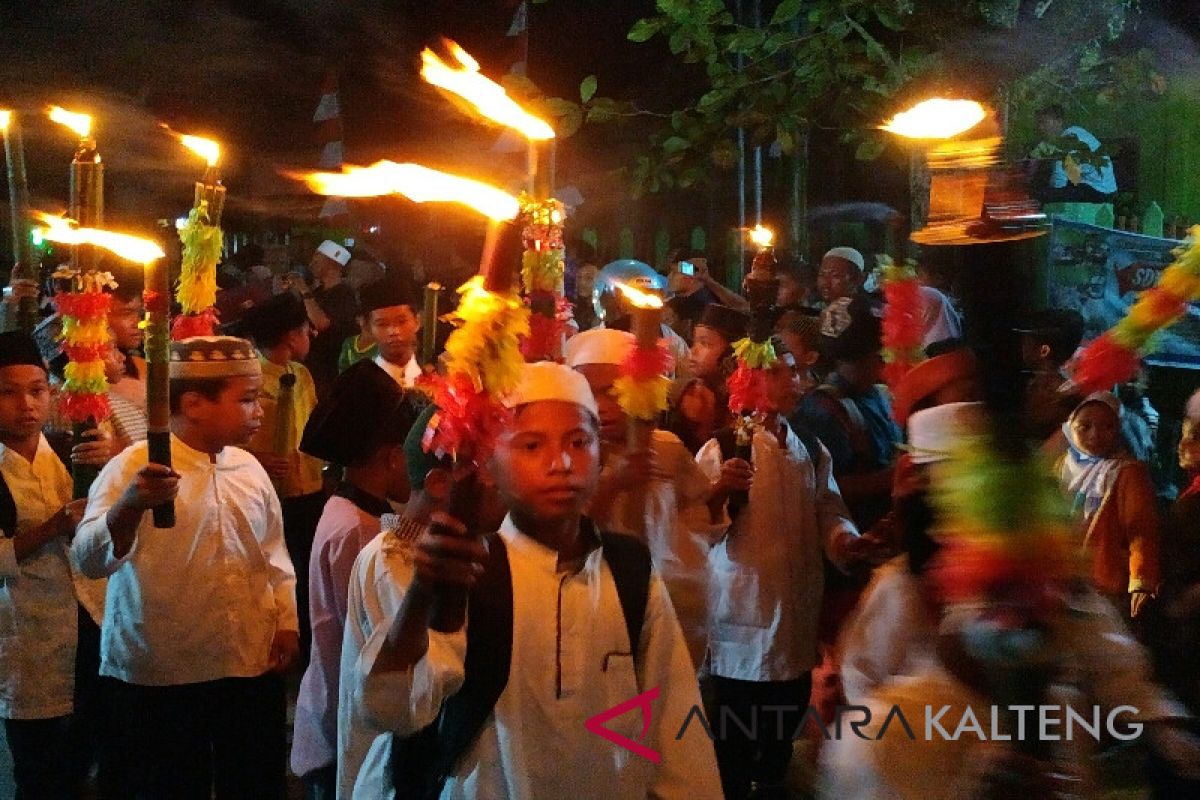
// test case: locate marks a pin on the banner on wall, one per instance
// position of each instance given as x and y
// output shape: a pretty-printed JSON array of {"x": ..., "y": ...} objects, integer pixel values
[{"x": 1099, "y": 271}]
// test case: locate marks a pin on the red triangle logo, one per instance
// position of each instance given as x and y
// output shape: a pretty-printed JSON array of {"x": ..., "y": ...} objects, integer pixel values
[{"x": 643, "y": 701}]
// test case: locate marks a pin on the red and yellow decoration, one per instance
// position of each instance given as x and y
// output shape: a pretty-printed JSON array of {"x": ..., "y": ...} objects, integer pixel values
[
  {"x": 902, "y": 328},
  {"x": 542, "y": 268},
  {"x": 1114, "y": 356},
  {"x": 755, "y": 353},
  {"x": 1006, "y": 530},
  {"x": 202, "y": 244},
  {"x": 643, "y": 386},
  {"x": 83, "y": 305},
  {"x": 483, "y": 365}
]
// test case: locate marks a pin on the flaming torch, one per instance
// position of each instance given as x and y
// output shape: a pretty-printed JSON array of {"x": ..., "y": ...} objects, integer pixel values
[
  {"x": 643, "y": 386},
  {"x": 87, "y": 183},
  {"x": 543, "y": 258},
  {"x": 483, "y": 353},
  {"x": 755, "y": 354},
  {"x": 23, "y": 278},
  {"x": 202, "y": 242},
  {"x": 84, "y": 310}
]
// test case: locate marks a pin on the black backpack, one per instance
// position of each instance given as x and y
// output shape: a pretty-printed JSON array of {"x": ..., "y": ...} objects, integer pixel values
[{"x": 421, "y": 763}]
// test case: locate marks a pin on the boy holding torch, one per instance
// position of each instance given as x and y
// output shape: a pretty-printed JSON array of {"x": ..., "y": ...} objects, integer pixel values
[
  {"x": 534, "y": 686},
  {"x": 650, "y": 485},
  {"x": 200, "y": 619}
]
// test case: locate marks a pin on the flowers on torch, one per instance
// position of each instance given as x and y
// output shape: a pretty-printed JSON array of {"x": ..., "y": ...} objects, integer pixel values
[
  {"x": 202, "y": 244},
  {"x": 84, "y": 307},
  {"x": 1114, "y": 356},
  {"x": 483, "y": 364},
  {"x": 542, "y": 268},
  {"x": 903, "y": 330}
]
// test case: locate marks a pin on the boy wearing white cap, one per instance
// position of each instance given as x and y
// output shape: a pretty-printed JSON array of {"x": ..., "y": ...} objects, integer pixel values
[
  {"x": 562, "y": 625},
  {"x": 332, "y": 308},
  {"x": 200, "y": 618},
  {"x": 673, "y": 518}
]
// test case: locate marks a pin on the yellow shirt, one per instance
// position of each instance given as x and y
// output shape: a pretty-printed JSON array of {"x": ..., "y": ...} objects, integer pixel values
[{"x": 304, "y": 477}]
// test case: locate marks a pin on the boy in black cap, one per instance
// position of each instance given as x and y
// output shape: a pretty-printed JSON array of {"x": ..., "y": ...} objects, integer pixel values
[
  {"x": 40, "y": 602},
  {"x": 361, "y": 425},
  {"x": 281, "y": 332},
  {"x": 200, "y": 620},
  {"x": 393, "y": 315}
]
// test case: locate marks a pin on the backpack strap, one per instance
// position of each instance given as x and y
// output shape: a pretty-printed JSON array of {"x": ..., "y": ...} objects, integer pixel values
[
  {"x": 629, "y": 560},
  {"x": 8, "y": 511},
  {"x": 421, "y": 763}
]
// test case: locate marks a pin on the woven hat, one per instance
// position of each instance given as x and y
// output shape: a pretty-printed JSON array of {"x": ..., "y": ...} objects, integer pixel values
[{"x": 213, "y": 357}]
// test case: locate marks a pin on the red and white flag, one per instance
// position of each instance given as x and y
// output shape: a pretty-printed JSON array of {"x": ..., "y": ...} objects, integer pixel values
[{"x": 328, "y": 119}]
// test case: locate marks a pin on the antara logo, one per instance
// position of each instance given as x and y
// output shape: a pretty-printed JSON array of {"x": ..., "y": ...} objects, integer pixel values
[{"x": 643, "y": 701}]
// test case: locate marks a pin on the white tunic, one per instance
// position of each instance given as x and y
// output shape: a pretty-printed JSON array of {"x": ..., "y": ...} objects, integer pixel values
[
  {"x": 679, "y": 532},
  {"x": 38, "y": 608},
  {"x": 766, "y": 576},
  {"x": 200, "y": 601},
  {"x": 570, "y": 662}
]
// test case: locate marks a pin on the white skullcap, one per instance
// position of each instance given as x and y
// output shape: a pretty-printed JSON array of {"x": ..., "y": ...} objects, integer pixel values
[
  {"x": 933, "y": 433},
  {"x": 333, "y": 250},
  {"x": 599, "y": 346},
  {"x": 847, "y": 254},
  {"x": 546, "y": 380}
]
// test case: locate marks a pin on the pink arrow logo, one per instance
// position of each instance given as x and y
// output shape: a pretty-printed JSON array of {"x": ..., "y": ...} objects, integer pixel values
[{"x": 642, "y": 701}]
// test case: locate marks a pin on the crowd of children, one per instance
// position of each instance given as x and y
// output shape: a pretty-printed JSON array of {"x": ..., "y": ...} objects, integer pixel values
[{"x": 662, "y": 577}]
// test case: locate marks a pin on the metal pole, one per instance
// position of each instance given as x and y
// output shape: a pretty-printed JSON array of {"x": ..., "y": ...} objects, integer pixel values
[
  {"x": 24, "y": 271},
  {"x": 758, "y": 156},
  {"x": 736, "y": 277}
]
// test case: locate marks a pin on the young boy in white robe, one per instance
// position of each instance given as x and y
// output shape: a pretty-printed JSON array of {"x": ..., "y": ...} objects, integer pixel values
[
  {"x": 362, "y": 425},
  {"x": 40, "y": 611},
  {"x": 566, "y": 638},
  {"x": 659, "y": 495},
  {"x": 766, "y": 579},
  {"x": 200, "y": 618}
]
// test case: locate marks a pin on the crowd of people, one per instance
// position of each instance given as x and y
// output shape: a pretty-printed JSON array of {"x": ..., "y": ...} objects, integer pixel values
[{"x": 785, "y": 581}]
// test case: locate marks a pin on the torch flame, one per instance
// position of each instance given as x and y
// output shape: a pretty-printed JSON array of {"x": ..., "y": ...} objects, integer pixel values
[
  {"x": 937, "y": 118},
  {"x": 205, "y": 148},
  {"x": 417, "y": 183},
  {"x": 763, "y": 237},
  {"x": 80, "y": 123},
  {"x": 639, "y": 299},
  {"x": 65, "y": 231},
  {"x": 5, "y": 118},
  {"x": 488, "y": 97}
]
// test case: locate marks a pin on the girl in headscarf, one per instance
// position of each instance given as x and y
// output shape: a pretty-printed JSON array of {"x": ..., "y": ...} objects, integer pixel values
[{"x": 1114, "y": 497}]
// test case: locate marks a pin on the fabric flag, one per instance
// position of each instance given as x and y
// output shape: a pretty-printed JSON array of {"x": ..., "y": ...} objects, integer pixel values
[{"x": 328, "y": 119}]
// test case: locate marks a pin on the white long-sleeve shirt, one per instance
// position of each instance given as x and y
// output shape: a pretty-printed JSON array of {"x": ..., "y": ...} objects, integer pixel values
[
  {"x": 38, "y": 610},
  {"x": 678, "y": 529},
  {"x": 766, "y": 577},
  {"x": 568, "y": 634},
  {"x": 204, "y": 599}
]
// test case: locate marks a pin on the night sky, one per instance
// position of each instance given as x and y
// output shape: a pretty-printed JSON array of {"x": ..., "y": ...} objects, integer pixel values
[{"x": 248, "y": 73}]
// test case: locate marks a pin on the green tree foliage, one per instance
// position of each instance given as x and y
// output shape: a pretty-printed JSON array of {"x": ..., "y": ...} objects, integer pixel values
[{"x": 847, "y": 64}]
